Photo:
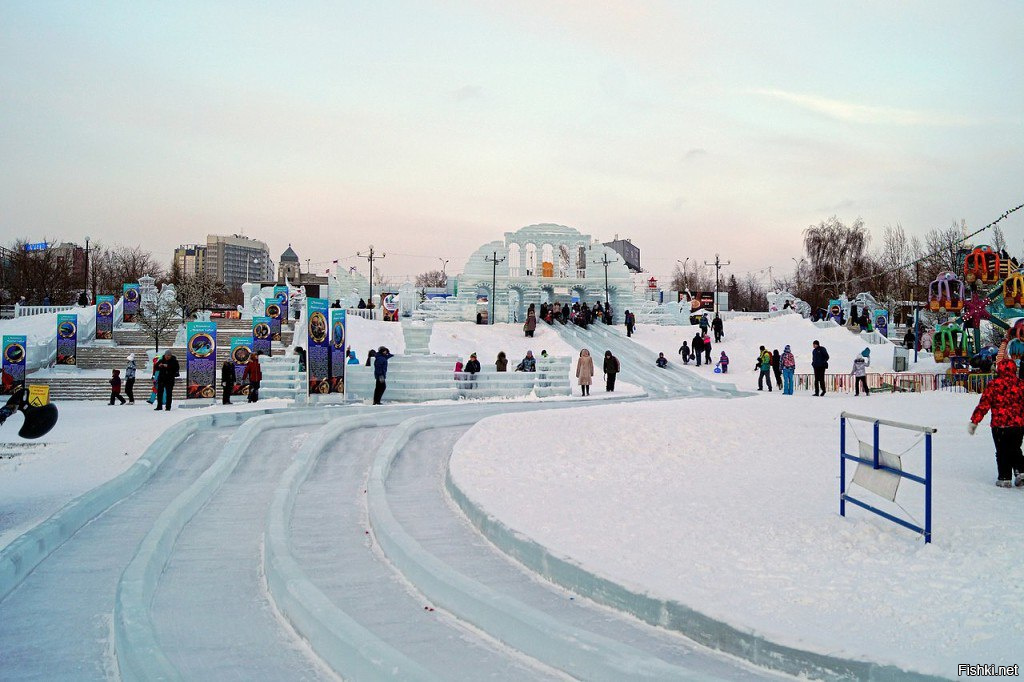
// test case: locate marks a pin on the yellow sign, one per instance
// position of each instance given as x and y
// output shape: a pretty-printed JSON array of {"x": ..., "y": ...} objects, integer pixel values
[{"x": 38, "y": 395}]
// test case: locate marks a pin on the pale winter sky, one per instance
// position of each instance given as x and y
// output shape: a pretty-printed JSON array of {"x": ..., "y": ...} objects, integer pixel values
[{"x": 430, "y": 127}]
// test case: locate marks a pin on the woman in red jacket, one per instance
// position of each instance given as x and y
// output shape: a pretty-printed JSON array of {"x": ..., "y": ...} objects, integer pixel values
[{"x": 1004, "y": 396}]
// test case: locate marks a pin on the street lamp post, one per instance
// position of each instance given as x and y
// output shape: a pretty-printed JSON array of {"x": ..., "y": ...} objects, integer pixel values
[
  {"x": 444, "y": 265},
  {"x": 86, "y": 287},
  {"x": 494, "y": 281},
  {"x": 686, "y": 280},
  {"x": 371, "y": 256}
]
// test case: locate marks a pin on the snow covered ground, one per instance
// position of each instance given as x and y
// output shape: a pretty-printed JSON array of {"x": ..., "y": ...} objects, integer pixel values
[
  {"x": 463, "y": 338},
  {"x": 91, "y": 443},
  {"x": 731, "y": 507},
  {"x": 365, "y": 334},
  {"x": 744, "y": 336}
]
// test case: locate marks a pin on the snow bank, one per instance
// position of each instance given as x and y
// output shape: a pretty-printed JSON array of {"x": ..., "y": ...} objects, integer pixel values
[
  {"x": 462, "y": 338},
  {"x": 365, "y": 334},
  {"x": 731, "y": 507},
  {"x": 744, "y": 336}
]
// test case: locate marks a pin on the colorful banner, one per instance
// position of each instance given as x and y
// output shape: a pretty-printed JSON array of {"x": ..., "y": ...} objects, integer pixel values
[
  {"x": 201, "y": 360},
  {"x": 339, "y": 350},
  {"x": 130, "y": 298},
  {"x": 274, "y": 311},
  {"x": 241, "y": 349},
  {"x": 104, "y": 317},
  {"x": 881, "y": 322},
  {"x": 13, "y": 364},
  {"x": 318, "y": 357},
  {"x": 67, "y": 339},
  {"x": 389, "y": 306},
  {"x": 835, "y": 310},
  {"x": 261, "y": 335},
  {"x": 281, "y": 294}
]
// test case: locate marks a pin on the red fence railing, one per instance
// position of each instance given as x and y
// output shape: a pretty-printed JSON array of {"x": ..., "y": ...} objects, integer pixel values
[{"x": 904, "y": 382}]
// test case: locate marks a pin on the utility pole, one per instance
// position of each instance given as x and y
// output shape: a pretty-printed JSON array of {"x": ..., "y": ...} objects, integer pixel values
[
  {"x": 494, "y": 260},
  {"x": 605, "y": 262},
  {"x": 718, "y": 268},
  {"x": 371, "y": 256},
  {"x": 86, "y": 266}
]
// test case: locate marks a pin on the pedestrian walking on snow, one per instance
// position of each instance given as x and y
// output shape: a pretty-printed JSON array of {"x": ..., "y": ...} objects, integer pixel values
[
  {"x": 380, "y": 373},
  {"x": 819, "y": 363},
  {"x": 227, "y": 380},
  {"x": 115, "y": 387},
  {"x": 129, "y": 379},
  {"x": 788, "y": 362},
  {"x": 585, "y": 371},
  {"x": 697, "y": 345},
  {"x": 723, "y": 363},
  {"x": 717, "y": 328},
  {"x": 764, "y": 366},
  {"x": 706, "y": 340},
  {"x": 777, "y": 368},
  {"x": 1004, "y": 397},
  {"x": 860, "y": 375},
  {"x": 253, "y": 373},
  {"x": 630, "y": 323},
  {"x": 684, "y": 353},
  {"x": 169, "y": 369},
  {"x": 611, "y": 369}
]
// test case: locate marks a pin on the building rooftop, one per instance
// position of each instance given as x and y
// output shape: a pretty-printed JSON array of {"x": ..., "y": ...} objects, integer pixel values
[{"x": 289, "y": 256}]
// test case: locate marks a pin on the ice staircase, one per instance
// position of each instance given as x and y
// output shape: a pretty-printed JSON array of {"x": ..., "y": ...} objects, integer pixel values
[
  {"x": 417, "y": 336},
  {"x": 282, "y": 378},
  {"x": 419, "y": 378},
  {"x": 637, "y": 364}
]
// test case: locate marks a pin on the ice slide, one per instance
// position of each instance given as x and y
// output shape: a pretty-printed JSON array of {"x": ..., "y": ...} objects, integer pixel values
[{"x": 253, "y": 552}]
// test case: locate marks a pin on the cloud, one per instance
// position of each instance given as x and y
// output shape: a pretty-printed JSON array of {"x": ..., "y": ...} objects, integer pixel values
[
  {"x": 852, "y": 112},
  {"x": 695, "y": 152},
  {"x": 466, "y": 93}
]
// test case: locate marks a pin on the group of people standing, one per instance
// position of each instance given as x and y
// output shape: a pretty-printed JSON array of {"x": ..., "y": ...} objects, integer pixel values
[
  {"x": 578, "y": 313},
  {"x": 585, "y": 371}
]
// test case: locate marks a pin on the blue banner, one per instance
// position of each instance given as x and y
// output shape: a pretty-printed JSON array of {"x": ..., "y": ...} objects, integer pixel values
[
  {"x": 318, "y": 359},
  {"x": 835, "y": 311},
  {"x": 67, "y": 339},
  {"x": 261, "y": 335},
  {"x": 130, "y": 298},
  {"x": 201, "y": 360},
  {"x": 338, "y": 350},
  {"x": 281, "y": 294},
  {"x": 881, "y": 321},
  {"x": 274, "y": 311},
  {"x": 241, "y": 349},
  {"x": 104, "y": 317},
  {"x": 15, "y": 353}
]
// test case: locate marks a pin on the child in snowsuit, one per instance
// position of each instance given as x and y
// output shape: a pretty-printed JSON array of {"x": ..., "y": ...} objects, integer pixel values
[
  {"x": 764, "y": 365},
  {"x": 684, "y": 353},
  {"x": 662, "y": 361},
  {"x": 723, "y": 363},
  {"x": 860, "y": 375},
  {"x": 1004, "y": 396},
  {"x": 115, "y": 387}
]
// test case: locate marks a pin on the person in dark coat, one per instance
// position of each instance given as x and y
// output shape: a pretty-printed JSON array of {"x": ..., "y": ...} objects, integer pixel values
[
  {"x": 83, "y": 299},
  {"x": 380, "y": 373},
  {"x": 472, "y": 368},
  {"x": 301, "y": 353},
  {"x": 370, "y": 356},
  {"x": 611, "y": 369},
  {"x": 1004, "y": 396},
  {"x": 697, "y": 348},
  {"x": 684, "y": 353},
  {"x": 630, "y": 323},
  {"x": 115, "y": 387},
  {"x": 531, "y": 321},
  {"x": 717, "y": 328},
  {"x": 169, "y": 370},
  {"x": 253, "y": 373},
  {"x": 819, "y": 362},
  {"x": 777, "y": 367},
  {"x": 908, "y": 339},
  {"x": 227, "y": 380},
  {"x": 501, "y": 364},
  {"x": 362, "y": 304},
  {"x": 662, "y": 361}
]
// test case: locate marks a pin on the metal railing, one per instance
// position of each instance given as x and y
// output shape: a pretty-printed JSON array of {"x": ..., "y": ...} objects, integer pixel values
[{"x": 28, "y": 310}]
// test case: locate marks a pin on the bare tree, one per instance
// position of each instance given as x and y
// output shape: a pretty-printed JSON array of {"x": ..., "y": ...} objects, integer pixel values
[
  {"x": 998, "y": 239},
  {"x": 40, "y": 275},
  {"x": 433, "y": 278},
  {"x": 837, "y": 254},
  {"x": 196, "y": 292},
  {"x": 158, "y": 317}
]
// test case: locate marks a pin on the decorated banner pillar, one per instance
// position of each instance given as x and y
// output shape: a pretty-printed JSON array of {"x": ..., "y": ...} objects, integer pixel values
[
  {"x": 318, "y": 346},
  {"x": 261, "y": 335},
  {"x": 881, "y": 319},
  {"x": 201, "y": 360},
  {"x": 281, "y": 294},
  {"x": 14, "y": 356},
  {"x": 67, "y": 339},
  {"x": 104, "y": 317},
  {"x": 274, "y": 311},
  {"x": 338, "y": 350},
  {"x": 131, "y": 297},
  {"x": 241, "y": 349}
]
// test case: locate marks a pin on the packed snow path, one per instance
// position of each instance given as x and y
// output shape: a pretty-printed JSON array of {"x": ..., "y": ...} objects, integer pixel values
[{"x": 417, "y": 591}]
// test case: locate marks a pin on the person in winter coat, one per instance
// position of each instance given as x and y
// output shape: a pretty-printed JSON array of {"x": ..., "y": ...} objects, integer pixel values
[
  {"x": 585, "y": 371},
  {"x": 156, "y": 376},
  {"x": 531, "y": 321},
  {"x": 788, "y": 362},
  {"x": 253, "y": 373},
  {"x": 501, "y": 364},
  {"x": 819, "y": 363},
  {"x": 908, "y": 339},
  {"x": 684, "y": 353},
  {"x": 717, "y": 327},
  {"x": 169, "y": 369},
  {"x": 697, "y": 346},
  {"x": 662, "y": 361},
  {"x": 706, "y": 340},
  {"x": 129, "y": 379},
  {"x": 556, "y": 312},
  {"x": 723, "y": 363},
  {"x": 764, "y": 366},
  {"x": 352, "y": 359},
  {"x": 860, "y": 375},
  {"x": 611, "y": 369},
  {"x": 300, "y": 352},
  {"x": 704, "y": 324},
  {"x": 227, "y": 380},
  {"x": 380, "y": 373},
  {"x": 459, "y": 376},
  {"x": 630, "y": 323},
  {"x": 370, "y": 357},
  {"x": 362, "y": 304},
  {"x": 1004, "y": 397},
  {"x": 528, "y": 364},
  {"x": 472, "y": 368},
  {"x": 115, "y": 387},
  {"x": 777, "y": 367}
]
